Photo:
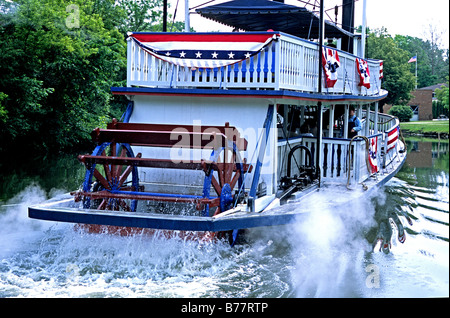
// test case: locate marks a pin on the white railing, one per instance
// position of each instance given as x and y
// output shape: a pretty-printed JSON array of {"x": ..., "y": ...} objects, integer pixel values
[
  {"x": 287, "y": 63},
  {"x": 339, "y": 158},
  {"x": 390, "y": 123},
  {"x": 299, "y": 69}
]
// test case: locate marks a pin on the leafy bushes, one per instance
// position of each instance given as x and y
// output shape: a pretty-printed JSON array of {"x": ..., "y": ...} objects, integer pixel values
[
  {"x": 58, "y": 61},
  {"x": 404, "y": 113}
]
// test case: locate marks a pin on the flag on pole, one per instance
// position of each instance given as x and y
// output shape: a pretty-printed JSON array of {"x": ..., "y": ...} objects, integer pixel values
[
  {"x": 203, "y": 50},
  {"x": 413, "y": 59},
  {"x": 373, "y": 154},
  {"x": 392, "y": 138},
  {"x": 363, "y": 71},
  {"x": 330, "y": 63}
]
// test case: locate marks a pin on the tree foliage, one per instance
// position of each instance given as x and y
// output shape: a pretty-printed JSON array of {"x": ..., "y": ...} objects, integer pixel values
[
  {"x": 398, "y": 79},
  {"x": 432, "y": 61},
  {"x": 442, "y": 95},
  {"x": 58, "y": 60},
  {"x": 142, "y": 15},
  {"x": 404, "y": 113},
  {"x": 399, "y": 75}
]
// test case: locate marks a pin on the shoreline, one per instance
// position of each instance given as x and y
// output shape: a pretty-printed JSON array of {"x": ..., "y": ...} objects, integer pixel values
[
  {"x": 411, "y": 133},
  {"x": 429, "y": 129}
]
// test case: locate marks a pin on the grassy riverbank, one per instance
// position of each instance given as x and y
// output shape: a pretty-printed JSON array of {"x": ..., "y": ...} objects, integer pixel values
[{"x": 438, "y": 127}]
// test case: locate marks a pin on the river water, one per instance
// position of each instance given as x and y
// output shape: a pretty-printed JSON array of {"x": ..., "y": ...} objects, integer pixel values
[{"x": 396, "y": 244}]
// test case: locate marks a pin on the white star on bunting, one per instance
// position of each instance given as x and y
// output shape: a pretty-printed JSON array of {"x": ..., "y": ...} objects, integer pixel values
[
  {"x": 198, "y": 55},
  {"x": 231, "y": 55},
  {"x": 214, "y": 55}
]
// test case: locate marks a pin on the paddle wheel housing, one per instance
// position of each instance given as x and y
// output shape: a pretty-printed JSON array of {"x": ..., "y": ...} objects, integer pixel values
[{"x": 112, "y": 181}]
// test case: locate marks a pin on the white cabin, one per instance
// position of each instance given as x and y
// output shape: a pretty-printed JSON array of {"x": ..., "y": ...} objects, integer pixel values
[{"x": 283, "y": 75}]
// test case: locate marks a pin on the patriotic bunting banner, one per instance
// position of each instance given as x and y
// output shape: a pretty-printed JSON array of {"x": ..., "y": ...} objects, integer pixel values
[
  {"x": 330, "y": 63},
  {"x": 373, "y": 154},
  {"x": 392, "y": 138},
  {"x": 363, "y": 71},
  {"x": 203, "y": 50},
  {"x": 381, "y": 70}
]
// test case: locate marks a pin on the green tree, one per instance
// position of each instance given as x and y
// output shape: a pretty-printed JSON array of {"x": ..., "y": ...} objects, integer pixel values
[
  {"x": 398, "y": 79},
  {"x": 57, "y": 65},
  {"x": 146, "y": 15},
  {"x": 142, "y": 15},
  {"x": 404, "y": 113},
  {"x": 442, "y": 95},
  {"x": 58, "y": 60},
  {"x": 3, "y": 111},
  {"x": 432, "y": 62}
]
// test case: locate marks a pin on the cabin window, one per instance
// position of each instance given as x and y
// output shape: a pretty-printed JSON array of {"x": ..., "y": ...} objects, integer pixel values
[{"x": 295, "y": 121}]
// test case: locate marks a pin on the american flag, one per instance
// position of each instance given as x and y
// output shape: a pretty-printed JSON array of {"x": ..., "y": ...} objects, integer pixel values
[
  {"x": 201, "y": 50},
  {"x": 330, "y": 63},
  {"x": 392, "y": 138},
  {"x": 413, "y": 59},
  {"x": 363, "y": 71},
  {"x": 373, "y": 154}
]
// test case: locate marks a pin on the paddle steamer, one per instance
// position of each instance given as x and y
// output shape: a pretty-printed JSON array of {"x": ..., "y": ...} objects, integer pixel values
[{"x": 223, "y": 130}]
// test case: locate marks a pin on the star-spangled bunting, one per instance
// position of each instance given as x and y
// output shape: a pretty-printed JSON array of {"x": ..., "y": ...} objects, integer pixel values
[
  {"x": 363, "y": 70},
  {"x": 203, "y": 50},
  {"x": 373, "y": 154},
  {"x": 330, "y": 63}
]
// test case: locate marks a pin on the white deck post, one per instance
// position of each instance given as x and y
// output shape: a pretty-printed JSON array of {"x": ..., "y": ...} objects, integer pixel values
[
  {"x": 129, "y": 61},
  {"x": 359, "y": 111},
  {"x": 331, "y": 122},
  {"x": 277, "y": 70},
  {"x": 346, "y": 122},
  {"x": 319, "y": 149},
  {"x": 359, "y": 115},
  {"x": 367, "y": 132},
  {"x": 375, "y": 119}
]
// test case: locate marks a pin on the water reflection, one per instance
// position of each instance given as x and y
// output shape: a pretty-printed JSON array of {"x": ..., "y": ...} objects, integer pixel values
[
  {"x": 427, "y": 154},
  {"x": 418, "y": 195}
]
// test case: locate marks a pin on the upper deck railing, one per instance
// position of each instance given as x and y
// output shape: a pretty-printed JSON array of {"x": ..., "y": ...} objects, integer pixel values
[{"x": 287, "y": 62}]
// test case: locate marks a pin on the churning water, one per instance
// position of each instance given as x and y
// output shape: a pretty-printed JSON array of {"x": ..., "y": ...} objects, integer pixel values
[{"x": 357, "y": 252}]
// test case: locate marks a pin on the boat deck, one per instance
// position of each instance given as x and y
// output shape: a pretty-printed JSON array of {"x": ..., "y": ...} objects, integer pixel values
[
  {"x": 282, "y": 94},
  {"x": 284, "y": 62},
  {"x": 64, "y": 209}
]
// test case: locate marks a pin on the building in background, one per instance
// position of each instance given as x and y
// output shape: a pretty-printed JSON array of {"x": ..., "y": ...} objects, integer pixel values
[{"x": 422, "y": 102}]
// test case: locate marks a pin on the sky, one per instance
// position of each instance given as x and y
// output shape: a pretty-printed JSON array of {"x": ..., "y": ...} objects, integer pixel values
[{"x": 405, "y": 17}]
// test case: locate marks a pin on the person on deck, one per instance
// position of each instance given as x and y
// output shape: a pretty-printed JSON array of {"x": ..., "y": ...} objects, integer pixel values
[{"x": 354, "y": 123}]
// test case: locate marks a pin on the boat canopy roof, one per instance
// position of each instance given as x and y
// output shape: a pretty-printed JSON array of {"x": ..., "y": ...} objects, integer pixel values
[{"x": 261, "y": 15}]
